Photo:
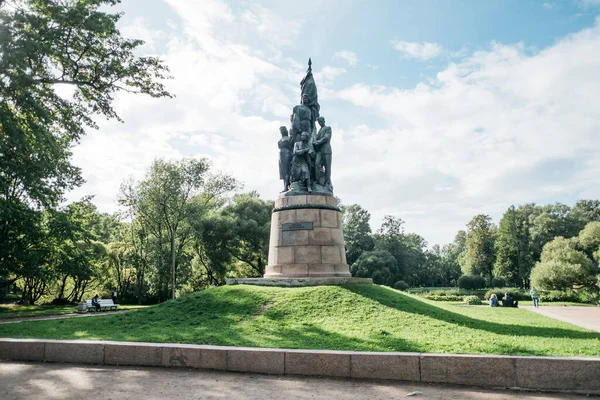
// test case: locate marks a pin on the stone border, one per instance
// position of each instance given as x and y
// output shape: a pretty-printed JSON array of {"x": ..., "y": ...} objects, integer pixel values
[
  {"x": 564, "y": 374},
  {"x": 300, "y": 282},
  {"x": 306, "y": 206}
]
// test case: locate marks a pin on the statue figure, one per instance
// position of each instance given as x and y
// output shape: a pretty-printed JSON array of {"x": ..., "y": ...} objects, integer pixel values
[
  {"x": 308, "y": 88},
  {"x": 301, "y": 120},
  {"x": 285, "y": 157},
  {"x": 300, "y": 171},
  {"x": 322, "y": 145}
]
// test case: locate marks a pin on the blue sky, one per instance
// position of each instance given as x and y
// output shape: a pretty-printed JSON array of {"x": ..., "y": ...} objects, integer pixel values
[{"x": 440, "y": 109}]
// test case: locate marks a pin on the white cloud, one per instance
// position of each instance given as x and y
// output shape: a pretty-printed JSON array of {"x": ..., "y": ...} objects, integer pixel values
[
  {"x": 493, "y": 128},
  {"x": 420, "y": 51},
  {"x": 349, "y": 56},
  {"x": 500, "y": 127}
]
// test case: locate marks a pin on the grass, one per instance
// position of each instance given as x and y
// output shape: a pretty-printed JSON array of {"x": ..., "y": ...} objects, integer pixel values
[
  {"x": 9, "y": 311},
  {"x": 354, "y": 317}
]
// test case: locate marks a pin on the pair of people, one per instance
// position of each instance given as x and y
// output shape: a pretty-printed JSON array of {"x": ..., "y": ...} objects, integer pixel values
[{"x": 507, "y": 301}]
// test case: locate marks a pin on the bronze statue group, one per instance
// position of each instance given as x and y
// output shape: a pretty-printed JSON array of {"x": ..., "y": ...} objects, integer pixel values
[{"x": 305, "y": 153}]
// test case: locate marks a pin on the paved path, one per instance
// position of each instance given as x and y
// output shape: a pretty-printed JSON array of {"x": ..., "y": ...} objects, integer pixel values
[
  {"x": 585, "y": 317},
  {"x": 30, "y": 381},
  {"x": 59, "y": 316}
]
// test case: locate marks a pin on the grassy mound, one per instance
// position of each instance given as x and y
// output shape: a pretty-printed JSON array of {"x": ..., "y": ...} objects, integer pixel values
[{"x": 360, "y": 317}]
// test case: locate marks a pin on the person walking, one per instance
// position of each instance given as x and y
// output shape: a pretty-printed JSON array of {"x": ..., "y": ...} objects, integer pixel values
[{"x": 534, "y": 296}]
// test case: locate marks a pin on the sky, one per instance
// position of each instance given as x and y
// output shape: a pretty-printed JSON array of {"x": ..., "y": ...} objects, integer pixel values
[{"x": 440, "y": 110}]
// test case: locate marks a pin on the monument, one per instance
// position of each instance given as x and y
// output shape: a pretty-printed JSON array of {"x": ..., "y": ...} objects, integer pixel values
[{"x": 306, "y": 246}]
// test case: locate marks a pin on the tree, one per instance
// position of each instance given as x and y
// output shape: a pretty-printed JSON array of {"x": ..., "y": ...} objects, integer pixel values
[
  {"x": 45, "y": 44},
  {"x": 381, "y": 266},
  {"x": 589, "y": 240},
  {"x": 563, "y": 267},
  {"x": 163, "y": 202},
  {"x": 513, "y": 253},
  {"x": 357, "y": 231},
  {"x": 548, "y": 222},
  {"x": 479, "y": 256}
]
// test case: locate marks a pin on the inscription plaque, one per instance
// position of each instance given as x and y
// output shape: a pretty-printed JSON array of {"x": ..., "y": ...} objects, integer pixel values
[{"x": 298, "y": 226}]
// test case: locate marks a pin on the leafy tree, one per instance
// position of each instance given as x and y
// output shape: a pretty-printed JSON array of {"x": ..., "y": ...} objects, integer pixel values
[
  {"x": 480, "y": 254},
  {"x": 357, "y": 231},
  {"x": 513, "y": 253},
  {"x": 563, "y": 267},
  {"x": 251, "y": 230},
  {"x": 45, "y": 44},
  {"x": 589, "y": 240},
  {"x": 164, "y": 199},
  {"x": 381, "y": 266},
  {"x": 548, "y": 222}
]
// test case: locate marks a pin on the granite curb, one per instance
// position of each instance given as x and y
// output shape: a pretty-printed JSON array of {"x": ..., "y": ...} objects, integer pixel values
[{"x": 564, "y": 374}]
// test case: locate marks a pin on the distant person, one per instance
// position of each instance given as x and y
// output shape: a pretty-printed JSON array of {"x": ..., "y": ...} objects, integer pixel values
[
  {"x": 507, "y": 301},
  {"x": 114, "y": 296},
  {"x": 96, "y": 303},
  {"x": 534, "y": 296},
  {"x": 493, "y": 300}
]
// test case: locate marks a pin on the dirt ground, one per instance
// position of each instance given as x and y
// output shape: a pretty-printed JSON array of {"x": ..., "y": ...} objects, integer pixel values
[{"x": 33, "y": 381}]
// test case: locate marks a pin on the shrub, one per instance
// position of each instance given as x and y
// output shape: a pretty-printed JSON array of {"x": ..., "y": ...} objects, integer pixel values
[
  {"x": 498, "y": 282},
  {"x": 401, "y": 285},
  {"x": 557, "y": 295},
  {"x": 471, "y": 282},
  {"x": 472, "y": 300},
  {"x": 516, "y": 294},
  {"x": 437, "y": 297}
]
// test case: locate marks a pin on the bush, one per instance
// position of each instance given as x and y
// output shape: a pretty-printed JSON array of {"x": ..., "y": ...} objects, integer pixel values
[
  {"x": 471, "y": 282},
  {"x": 401, "y": 285},
  {"x": 498, "y": 282},
  {"x": 472, "y": 300},
  {"x": 439, "y": 297},
  {"x": 557, "y": 295},
  {"x": 516, "y": 294}
]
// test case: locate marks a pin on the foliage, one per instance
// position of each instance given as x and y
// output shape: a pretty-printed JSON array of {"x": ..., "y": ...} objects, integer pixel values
[
  {"x": 250, "y": 233},
  {"x": 480, "y": 253},
  {"x": 471, "y": 282},
  {"x": 360, "y": 317},
  {"x": 516, "y": 294},
  {"x": 357, "y": 232},
  {"x": 45, "y": 45},
  {"x": 401, "y": 285},
  {"x": 381, "y": 266},
  {"x": 563, "y": 267},
  {"x": 442, "y": 297},
  {"x": 472, "y": 300},
  {"x": 513, "y": 253},
  {"x": 498, "y": 282},
  {"x": 557, "y": 295}
]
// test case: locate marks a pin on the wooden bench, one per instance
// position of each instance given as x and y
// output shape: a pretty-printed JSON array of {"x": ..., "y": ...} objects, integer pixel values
[{"x": 105, "y": 304}]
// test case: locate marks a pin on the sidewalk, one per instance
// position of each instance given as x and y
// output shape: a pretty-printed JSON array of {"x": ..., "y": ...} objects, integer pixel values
[
  {"x": 585, "y": 317},
  {"x": 30, "y": 381}
]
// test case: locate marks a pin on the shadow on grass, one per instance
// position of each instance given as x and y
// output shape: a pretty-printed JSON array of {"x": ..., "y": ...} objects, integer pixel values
[{"x": 406, "y": 303}]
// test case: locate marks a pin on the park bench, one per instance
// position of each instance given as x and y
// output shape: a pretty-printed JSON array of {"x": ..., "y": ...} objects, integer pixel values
[{"x": 105, "y": 304}]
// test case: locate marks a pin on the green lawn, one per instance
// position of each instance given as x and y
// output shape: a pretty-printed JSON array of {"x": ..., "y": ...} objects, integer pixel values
[
  {"x": 8, "y": 311},
  {"x": 359, "y": 317}
]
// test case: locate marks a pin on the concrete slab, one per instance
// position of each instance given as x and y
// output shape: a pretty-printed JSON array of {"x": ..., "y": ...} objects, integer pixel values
[
  {"x": 74, "y": 352},
  {"x": 488, "y": 371},
  {"x": 22, "y": 349},
  {"x": 556, "y": 373},
  {"x": 265, "y": 361},
  {"x": 317, "y": 363},
  {"x": 132, "y": 354},
  {"x": 396, "y": 366}
]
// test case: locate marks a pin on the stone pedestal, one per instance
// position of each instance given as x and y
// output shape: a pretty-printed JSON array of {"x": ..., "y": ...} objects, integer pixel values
[{"x": 307, "y": 240}]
